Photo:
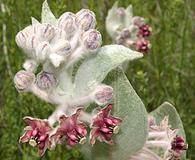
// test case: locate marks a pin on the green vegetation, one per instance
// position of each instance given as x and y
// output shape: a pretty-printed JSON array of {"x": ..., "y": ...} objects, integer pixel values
[{"x": 167, "y": 73}]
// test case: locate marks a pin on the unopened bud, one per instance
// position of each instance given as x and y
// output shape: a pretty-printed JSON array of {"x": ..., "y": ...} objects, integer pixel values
[
  {"x": 21, "y": 39},
  {"x": 103, "y": 94},
  {"x": 67, "y": 22},
  {"x": 42, "y": 50},
  {"x": 46, "y": 80},
  {"x": 92, "y": 39},
  {"x": 121, "y": 11},
  {"x": 23, "y": 80},
  {"x": 62, "y": 47},
  {"x": 32, "y": 42},
  {"x": 47, "y": 32},
  {"x": 138, "y": 21},
  {"x": 85, "y": 19},
  {"x": 30, "y": 65}
]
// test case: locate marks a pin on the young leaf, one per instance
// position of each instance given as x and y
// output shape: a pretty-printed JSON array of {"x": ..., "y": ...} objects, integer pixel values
[
  {"x": 95, "y": 68},
  {"x": 113, "y": 21},
  {"x": 47, "y": 16},
  {"x": 34, "y": 20},
  {"x": 133, "y": 131},
  {"x": 128, "y": 16},
  {"x": 167, "y": 109}
]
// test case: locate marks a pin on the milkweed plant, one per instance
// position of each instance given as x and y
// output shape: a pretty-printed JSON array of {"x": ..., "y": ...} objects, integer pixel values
[{"x": 96, "y": 107}]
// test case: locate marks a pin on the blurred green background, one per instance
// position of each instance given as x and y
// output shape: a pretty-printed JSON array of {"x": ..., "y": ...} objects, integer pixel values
[{"x": 167, "y": 73}]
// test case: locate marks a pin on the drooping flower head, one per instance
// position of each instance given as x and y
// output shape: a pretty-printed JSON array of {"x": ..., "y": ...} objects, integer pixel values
[
  {"x": 37, "y": 134},
  {"x": 71, "y": 130},
  {"x": 104, "y": 126}
]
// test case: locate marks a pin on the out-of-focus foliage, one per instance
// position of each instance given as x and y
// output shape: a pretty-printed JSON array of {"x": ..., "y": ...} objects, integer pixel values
[{"x": 166, "y": 74}]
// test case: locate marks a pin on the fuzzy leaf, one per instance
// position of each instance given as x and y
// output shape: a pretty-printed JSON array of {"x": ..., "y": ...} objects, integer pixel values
[
  {"x": 114, "y": 22},
  {"x": 128, "y": 16},
  {"x": 133, "y": 131},
  {"x": 34, "y": 20},
  {"x": 96, "y": 67},
  {"x": 167, "y": 109},
  {"x": 47, "y": 16}
]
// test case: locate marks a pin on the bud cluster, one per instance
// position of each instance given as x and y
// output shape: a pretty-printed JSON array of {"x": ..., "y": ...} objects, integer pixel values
[
  {"x": 128, "y": 30},
  {"x": 70, "y": 130},
  {"x": 162, "y": 138}
]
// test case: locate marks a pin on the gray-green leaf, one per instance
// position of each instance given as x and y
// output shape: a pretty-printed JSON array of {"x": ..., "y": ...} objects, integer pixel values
[
  {"x": 133, "y": 133},
  {"x": 96, "y": 67},
  {"x": 47, "y": 16},
  {"x": 167, "y": 109}
]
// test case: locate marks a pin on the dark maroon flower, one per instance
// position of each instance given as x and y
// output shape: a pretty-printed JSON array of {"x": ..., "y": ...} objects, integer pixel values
[
  {"x": 144, "y": 30},
  {"x": 70, "y": 130},
  {"x": 178, "y": 145},
  {"x": 104, "y": 126},
  {"x": 142, "y": 45},
  {"x": 37, "y": 134}
]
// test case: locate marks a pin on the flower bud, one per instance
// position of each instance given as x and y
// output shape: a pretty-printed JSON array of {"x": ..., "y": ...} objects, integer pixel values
[
  {"x": 67, "y": 22},
  {"x": 103, "y": 94},
  {"x": 23, "y": 80},
  {"x": 144, "y": 30},
  {"x": 47, "y": 32},
  {"x": 30, "y": 65},
  {"x": 46, "y": 80},
  {"x": 85, "y": 19},
  {"x": 42, "y": 50},
  {"x": 21, "y": 39},
  {"x": 121, "y": 11},
  {"x": 92, "y": 39},
  {"x": 62, "y": 47},
  {"x": 138, "y": 21},
  {"x": 32, "y": 42}
]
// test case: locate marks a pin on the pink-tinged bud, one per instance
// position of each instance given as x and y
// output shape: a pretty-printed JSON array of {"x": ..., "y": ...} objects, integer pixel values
[
  {"x": 42, "y": 51},
  {"x": 121, "y": 11},
  {"x": 142, "y": 45},
  {"x": 23, "y": 80},
  {"x": 144, "y": 30},
  {"x": 32, "y": 42},
  {"x": 21, "y": 39},
  {"x": 138, "y": 21},
  {"x": 67, "y": 22},
  {"x": 103, "y": 94},
  {"x": 46, "y": 80},
  {"x": 85, "y": 19},
  {"x": 62, "y": 47},
  {"x": 46, "y": 32},
  {"x": 178, "y": 145},
  {"x": 30, "y": 65},
  {"x": 104, "y": 126},
  {"x": 92, "y": 39}
]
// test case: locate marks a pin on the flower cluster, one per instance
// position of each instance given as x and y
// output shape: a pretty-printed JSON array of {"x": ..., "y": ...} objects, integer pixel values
[
  {"x": 164, "y": 139},
  {"x": 128, "y": 30},
  {"x": 71, "y": 130},
  {"x": 56, "y": 46}
]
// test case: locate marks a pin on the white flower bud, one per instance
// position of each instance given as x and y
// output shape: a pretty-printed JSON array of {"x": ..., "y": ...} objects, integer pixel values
[
  {"x": 30, "y": 65},
  {"x": 67, "y": 22},
  {"x": 42, "y": 51},
  {"x": 92, "y": 39},
  {"x": 62, "y": 47},
  {"x": 47, "y": 32},
  {"x": 56, "y": 59},
  {"x": 23, "y": 80},
  {"x": 21, "y": 39},
  {"x": 46, "y": 80},
  {"x": 85, "y": 19},
  {"x": 103, "y": 94},
  {"x": 32, "y": 42}
]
